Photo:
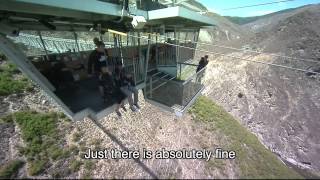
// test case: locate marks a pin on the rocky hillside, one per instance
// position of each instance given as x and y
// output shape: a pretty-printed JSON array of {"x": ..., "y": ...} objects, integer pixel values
[
  {"x": 270, "y": 20},
  {"x": 223, "y": 31},
  {"x": 39, "y": 142},
  {"x": 281, "y": 106}
]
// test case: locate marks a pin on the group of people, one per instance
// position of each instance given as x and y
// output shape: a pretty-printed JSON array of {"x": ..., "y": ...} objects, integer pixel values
[{"x": 114, "y": 82}]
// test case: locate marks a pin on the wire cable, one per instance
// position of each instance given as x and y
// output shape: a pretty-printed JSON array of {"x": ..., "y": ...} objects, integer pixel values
[
  {"x": 254, "y": 5},
  {"x": 251, "y": 51},
  {"x": 222, "y": 54}
]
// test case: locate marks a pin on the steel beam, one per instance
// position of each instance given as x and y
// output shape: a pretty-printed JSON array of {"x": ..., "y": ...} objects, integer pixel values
[{"x": 17, "y": 56}]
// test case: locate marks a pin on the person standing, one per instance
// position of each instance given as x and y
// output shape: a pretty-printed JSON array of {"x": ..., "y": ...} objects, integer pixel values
[
  {"x": 97, "y": 59},
  {"x": 202, "y": 64}
]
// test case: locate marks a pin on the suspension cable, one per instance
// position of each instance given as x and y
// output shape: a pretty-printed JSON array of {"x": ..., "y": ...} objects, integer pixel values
[
  {"x": 231, "y": 56},
  {"x": 254, "y": 5},
  {"x": 251, "y": 51}
]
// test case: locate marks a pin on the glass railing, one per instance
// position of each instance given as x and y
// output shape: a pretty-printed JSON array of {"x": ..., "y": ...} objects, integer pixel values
[
  {"x": 174, "y": 92},
  {"x": 185, "y": 70}
]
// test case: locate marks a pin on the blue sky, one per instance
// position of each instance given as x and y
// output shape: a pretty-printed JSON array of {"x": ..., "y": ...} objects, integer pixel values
[{"x": 219, "y": 5}]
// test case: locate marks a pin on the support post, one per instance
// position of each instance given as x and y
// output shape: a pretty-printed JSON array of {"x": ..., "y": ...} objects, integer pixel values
[
  {"x": 147, "y": 59},
  {"x": 18, "y": 57},
  {"x": 43, "y": 45},
  {"x": 150, "y": 86},
  {"x": 76, "y": 41}
]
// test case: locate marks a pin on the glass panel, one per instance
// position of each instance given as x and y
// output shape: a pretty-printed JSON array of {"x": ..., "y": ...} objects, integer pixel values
[{"x": 175, "y": 92}]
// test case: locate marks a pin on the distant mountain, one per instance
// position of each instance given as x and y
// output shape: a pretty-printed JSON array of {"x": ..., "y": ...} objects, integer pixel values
[
  {"x": 246, "y": 20},
  {"x": 268, "y": 22}
]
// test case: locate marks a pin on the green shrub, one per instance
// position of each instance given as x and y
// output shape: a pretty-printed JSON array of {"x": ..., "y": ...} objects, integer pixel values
[
  {"x": 74, "y": 149},
  {"x": 89, "y": 165},
  {"x": 75, "y": 165},
  {"x": 55, "y": 152},
  {"x": 96, "y": 143},
  {"x": 36, "y": 167},
  {"x": 10, "y": 169},
  {"x": 9, "y": 85},
  {"x": 12, "y": 68},
  {"x": 6, "y": 119},
  {"x": 40, "y": 134}
]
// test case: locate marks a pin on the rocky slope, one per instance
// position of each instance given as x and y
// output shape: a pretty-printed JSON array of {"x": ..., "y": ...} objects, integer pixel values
[{"x": 281, "y": 106}]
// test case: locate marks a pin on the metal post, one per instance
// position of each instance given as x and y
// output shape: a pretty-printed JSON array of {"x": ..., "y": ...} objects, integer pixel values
[
  {"x": 76, "y": 41},
  {"x": 128, "y": 39},
  {"x": 100, "y": 34},
  {"x": 77, "y": 44},
  {"x": 150, "y": 86},
  {"x": 146, "y": 60},
  {"x": 177, "y": 48},
  {"x": 44, "y": 46},
  {"x": 54, "y": 44},
  {"x": 134, "y": 71},
  {"x": 120, "y": 49},
  {"x": 157, "y": 52},
  {"x": 147, "y": 57},
  {"x": 180, "y": 71}
]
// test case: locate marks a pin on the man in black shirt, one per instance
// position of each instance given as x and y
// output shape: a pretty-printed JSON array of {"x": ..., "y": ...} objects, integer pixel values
[
  {"x": 97, "y": 59},
  {"x": 202, "y": 64}
]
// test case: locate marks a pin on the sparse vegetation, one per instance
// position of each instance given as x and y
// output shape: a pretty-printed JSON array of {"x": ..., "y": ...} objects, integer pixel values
[
  {"x": 41, "y": 136},
  {"x": 75, "y": 165},
  {"x": 9, "y": 84},
  {"x": 96, "y": 143},
  {"x": 74, "y": 149},
  {"x": 254, "y": 160},
  {"x": 76, "y": 136},
  {"x": 6, "y": 119},
  {"x": 10, "y": 169},
  {"x": 88, "y": 167}
]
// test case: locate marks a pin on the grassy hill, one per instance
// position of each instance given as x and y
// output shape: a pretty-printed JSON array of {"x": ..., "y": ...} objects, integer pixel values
[{"x": 253, "y": 159}]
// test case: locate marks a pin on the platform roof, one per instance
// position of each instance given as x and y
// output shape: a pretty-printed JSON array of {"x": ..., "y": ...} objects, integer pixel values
[
  {"x": 181, "y": 15},
  {"x": 26, "y": 14}
]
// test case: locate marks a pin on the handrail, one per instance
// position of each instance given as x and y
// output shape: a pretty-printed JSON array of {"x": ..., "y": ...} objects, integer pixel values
[
  {"x": 187, "y": 64},
  {"x": 162, "y": 77},
  {"x": 194, "y": 75},
  {"x": 162, "y": 84}
]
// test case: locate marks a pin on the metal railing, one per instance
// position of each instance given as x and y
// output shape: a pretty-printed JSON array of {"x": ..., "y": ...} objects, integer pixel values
[
  {"x": 166, "y": 56},
  {"x": 185, "y": 70},
  {"x": 174, "y": 92},
  {"x": 136, "y": 68},
  {"x": 54, "y": 44}
]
